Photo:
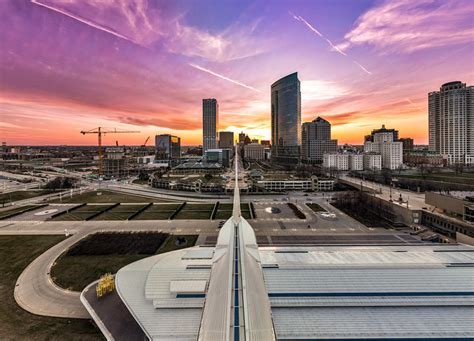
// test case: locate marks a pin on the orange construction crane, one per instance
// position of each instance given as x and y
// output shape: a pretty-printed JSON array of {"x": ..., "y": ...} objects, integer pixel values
[{"x": 99, "y": 131}]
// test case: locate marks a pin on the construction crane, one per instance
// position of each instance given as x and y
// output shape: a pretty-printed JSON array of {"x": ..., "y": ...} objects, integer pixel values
[
  {"x": 144, "y": 144},
  {"x": 99, "y": 131}
]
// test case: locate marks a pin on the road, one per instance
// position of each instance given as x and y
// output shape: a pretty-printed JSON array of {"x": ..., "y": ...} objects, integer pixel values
[
  {"x": 416, "y": 201},
  {"x": 36, "y": 292}
]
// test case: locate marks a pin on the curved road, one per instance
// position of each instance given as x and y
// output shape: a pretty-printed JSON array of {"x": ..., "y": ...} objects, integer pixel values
[{"x": 36, "y": 292}]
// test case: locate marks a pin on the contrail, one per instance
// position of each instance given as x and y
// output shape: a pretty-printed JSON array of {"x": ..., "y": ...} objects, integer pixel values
[
  {"x": 414, "y": 104},
  {"x": 222, "y": 77},
  {"x": 334, "y": 47},
  {"x": 84, "y": 21},
  {"x": 307, "y": 24},
  {"x": 312, "y": 28},
  {"x": 363, "y": 68}
]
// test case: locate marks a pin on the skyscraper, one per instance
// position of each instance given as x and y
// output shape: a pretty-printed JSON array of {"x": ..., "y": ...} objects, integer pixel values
[
  {"x": 226, "y": 139},
  {"x": 286, "y": 119},
  {"x": 210, "y": 123},
  {"x": 451, "y": 122},
  {"x": 316, "y": 141}
]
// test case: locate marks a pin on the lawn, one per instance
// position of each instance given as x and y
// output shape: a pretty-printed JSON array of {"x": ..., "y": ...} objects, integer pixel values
[
  {"x": 315, "y": 207},
  {"x": 121, "y": 212},
  {"x": 16, "y": 323},
  {"x": 462, "y": 178},
  {"x": 17, "y": 210},
  {"x": 224, "y": 211},
  {"x": 108, "y": 197},
  {"x": 157, "y": 212},
  {"x": 171, "y": 245},
  {"x": 245, "y": 210},
  {"x": 195, "y": 211},
  {"x": 100, "y": 253},
  {"x": 19, "y": 195},
  {"x": 108, "y": 252},
  {"x": 190, "y": 215},
  {"x": 81, "y": 213},
  {"x": 223, "y": 215}
]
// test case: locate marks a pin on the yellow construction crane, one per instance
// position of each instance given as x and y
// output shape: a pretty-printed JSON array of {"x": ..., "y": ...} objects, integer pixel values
[{"x": 99, "y": 131}]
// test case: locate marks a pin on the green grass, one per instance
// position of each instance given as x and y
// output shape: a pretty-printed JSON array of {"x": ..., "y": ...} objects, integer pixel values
[
  {"x": 82, "y": 213},
  {"x": 223, "y": 215},
  {"x": 121, "y": 212},
  {"x": 224, "y": 211},
  {"x": 225, "y": 207},
  {"x": 157, "y": 212},
  {"x": 76, "y": 272},
  {"x": 198, "y": 207},
  {"x": 16, "y": 252},
  {"x": 195, "y": 211},
  {"x": 163, "y": 215},
  {"x": 186, "y": 214},
  {"x": 108, "y": 197},
  {"x": 162, "y": 207},
  {"x": 315, "y": 207},
  {"x": 19, "y": 195},
  {"x": 170, "y": 243}
]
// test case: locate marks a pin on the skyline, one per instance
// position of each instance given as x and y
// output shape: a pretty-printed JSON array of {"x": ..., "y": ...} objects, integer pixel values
[{"x": 136, "y": 65}]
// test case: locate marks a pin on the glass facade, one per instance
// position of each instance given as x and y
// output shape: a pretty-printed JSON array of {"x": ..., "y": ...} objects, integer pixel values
[
  {"x": 168, "y": 148},
  {"x": 286, "y": 119},
  {"x": 210, "y": 123}
]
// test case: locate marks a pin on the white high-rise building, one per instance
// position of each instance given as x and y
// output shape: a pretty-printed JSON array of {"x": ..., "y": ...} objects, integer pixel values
[
  {"x": 336, "y": 161},
  {"x": 451, "y": 122},
  {"x": 372, "y": 161},
  {"x": 385, "y": 142},
  {"x": 356, "y": 162},
  {"x": 210, "y": 123},
  {"x": 392, "y": 155}
]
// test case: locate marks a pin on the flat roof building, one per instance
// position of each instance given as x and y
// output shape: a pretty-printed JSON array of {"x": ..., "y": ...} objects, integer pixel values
[
  {"x": 239, "y": 291},
  {"x": 226, "y": 139}
]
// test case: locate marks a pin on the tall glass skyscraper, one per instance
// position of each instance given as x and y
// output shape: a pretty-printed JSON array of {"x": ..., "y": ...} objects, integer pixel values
[
  {"x": 210, "y": 123},
  {"x": 286, "y": 120}
]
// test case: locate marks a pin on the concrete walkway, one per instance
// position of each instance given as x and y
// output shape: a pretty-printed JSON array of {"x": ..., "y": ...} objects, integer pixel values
[{"x": 36, "y": 292}]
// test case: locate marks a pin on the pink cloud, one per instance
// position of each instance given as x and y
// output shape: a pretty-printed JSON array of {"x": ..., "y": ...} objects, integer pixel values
[{"x": 407, "y": 26}]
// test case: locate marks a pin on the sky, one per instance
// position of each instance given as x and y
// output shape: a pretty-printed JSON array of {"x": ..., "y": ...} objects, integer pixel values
[{"x": 72, "y": 65}]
